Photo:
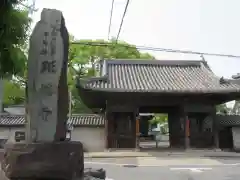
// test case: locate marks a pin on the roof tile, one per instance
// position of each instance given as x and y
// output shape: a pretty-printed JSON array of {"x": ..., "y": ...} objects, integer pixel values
[
  {"x": 76, "y": 120},
  {"x": 161, "y": 76}
]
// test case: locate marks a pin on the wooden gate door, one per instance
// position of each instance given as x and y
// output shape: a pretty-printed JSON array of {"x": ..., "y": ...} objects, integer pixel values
[{"x": 125, "y": 130}]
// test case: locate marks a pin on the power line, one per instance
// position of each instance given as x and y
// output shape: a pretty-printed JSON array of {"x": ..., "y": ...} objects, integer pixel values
[
  {"x": 106, "y": 44},
  {"x": 120, "y": 28},
  {"x": 187, "y": 52},
  {"x": 110, "y": 22}
]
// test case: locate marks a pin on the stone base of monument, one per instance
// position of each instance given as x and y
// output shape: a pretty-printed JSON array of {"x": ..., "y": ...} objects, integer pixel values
[{"x": 56, "y": 160}]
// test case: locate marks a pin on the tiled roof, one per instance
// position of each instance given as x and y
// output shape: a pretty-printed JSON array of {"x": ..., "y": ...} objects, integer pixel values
[
  {"x": 229, "y": 120},
  {"x": 87, "y": 119},
  {"x": 76, "y": 120},
  {"x": 159, "y": 76}
]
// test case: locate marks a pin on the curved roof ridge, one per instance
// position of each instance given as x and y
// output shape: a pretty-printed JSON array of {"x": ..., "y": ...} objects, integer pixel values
[{"x": 155, "y": 62}]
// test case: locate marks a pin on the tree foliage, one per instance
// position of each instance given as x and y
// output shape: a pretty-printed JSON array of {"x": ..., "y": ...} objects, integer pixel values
[
  {"x": 13, "y": 93},
  {"x": 159, "y": 119},
  {"x": 14, "y": 26},
  {"x": 223, "y": 109},
  {"x": 89, "y": 52},
  {"x": 84, "y": 56}
]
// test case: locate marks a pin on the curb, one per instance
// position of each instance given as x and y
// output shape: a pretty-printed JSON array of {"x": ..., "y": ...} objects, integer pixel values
[
  {"x": 163, "y": 156},
  {"x": 222, "y": 156},
  {"x": 162, "y": 165},
  {"x": 116, "y": 156}
]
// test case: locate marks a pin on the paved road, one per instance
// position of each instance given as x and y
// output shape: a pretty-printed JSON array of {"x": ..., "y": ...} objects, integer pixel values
[
  {"x": 164, "y": 161},
  {"x": 174, "y": 173},
  {"x": 169, "y": 168},
  {"x": 225, "y": 169}
]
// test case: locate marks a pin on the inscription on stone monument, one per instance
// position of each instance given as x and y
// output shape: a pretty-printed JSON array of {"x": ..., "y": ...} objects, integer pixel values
[
  {"x": 48, "y": 66},
  {"x": 45, "y": 113},
  {"x": 44, "y": 50},
  {"x": 47, "y": 48},
  {"x": 47, "y": 89},
  {"x": 54, "y": 32}
]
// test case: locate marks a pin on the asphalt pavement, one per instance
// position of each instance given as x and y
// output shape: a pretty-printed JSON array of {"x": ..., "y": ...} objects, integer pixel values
[
  {"x": 168, "y": 168},
  {"x": 164, "y": 161}
]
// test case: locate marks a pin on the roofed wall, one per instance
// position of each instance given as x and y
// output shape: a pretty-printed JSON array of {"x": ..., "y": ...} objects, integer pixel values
[{"x": 92, "y": 120}]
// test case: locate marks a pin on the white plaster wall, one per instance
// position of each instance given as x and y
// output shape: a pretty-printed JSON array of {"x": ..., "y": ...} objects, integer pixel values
[
  {"x": 93, "y": 138},
  {"x": 236, "y": 137},
  {"x": 9, "y": 133}
]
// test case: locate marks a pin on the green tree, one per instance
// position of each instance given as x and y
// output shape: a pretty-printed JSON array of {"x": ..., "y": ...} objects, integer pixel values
[
  {"x": 13, "y": 93},
  {"x": 14, "y": 23},
  {"x": 89, "y": 52},
  {"x": 14, "y": 30},
  {"x": 222, "y": 109},
  {"x": 159, "y": 119},
  {"x": 84, "y": 56}
]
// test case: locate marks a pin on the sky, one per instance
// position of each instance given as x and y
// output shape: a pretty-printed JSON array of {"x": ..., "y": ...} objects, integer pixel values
[{"x": 197, "y": 25}]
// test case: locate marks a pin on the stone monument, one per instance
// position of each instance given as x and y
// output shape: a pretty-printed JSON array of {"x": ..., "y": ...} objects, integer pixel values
[
  {"x": 46, "y": 154},
  {"x": 47, "y": 79}
]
